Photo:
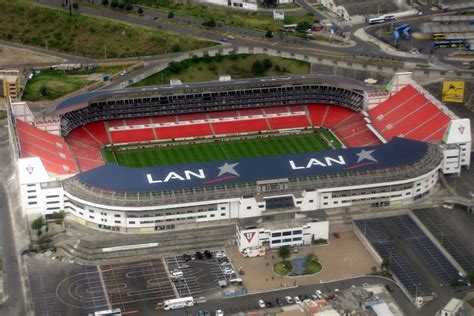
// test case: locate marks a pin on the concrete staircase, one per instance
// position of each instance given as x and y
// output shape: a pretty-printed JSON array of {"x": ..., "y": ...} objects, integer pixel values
[{"x": 169, "y": 243}]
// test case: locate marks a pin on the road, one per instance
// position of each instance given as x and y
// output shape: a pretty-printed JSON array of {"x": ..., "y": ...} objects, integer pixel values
[
  {"x": 249, "y": 302},
  {"x": 15, "y": 305},
  {"x": 245, "y": 37}
]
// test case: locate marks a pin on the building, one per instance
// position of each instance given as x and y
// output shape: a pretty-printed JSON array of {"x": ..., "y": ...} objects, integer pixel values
[
  {"x": 452, "y": 308},
  {"x": 277, "y": 234},
  {"x": 250, "y": 5},
  {"x": 348, "y": 8},
  {"x": 378, "y": 168},
  {"x": 10, "y": 84}
]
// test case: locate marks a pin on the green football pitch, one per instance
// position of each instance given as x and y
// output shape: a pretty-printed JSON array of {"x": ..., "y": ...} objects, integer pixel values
[{"x": 131, "y": 156}]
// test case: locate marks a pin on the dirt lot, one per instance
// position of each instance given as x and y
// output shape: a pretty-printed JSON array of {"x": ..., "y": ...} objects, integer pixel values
[
  {"x": 342, "y": 258},
  {"x": 9, "y": 55}
]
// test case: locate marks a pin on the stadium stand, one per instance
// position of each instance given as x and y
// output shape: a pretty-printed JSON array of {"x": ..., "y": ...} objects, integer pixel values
[
  {"x": 86, "y": 147},
  {"x": 284, "y": 122},
  {"x": 137, "y": 121},
  {"x": 250, "y": 112},
  {"x": 317, "y": 113},
  {"x": 132, "y": 135},
  {"x": 164, "y": 119},
  {"x": 245, "y": 126},
  {"x": 353, "y": 132},
  {"x": 276, "y": 110},
  {"x": 334, "y": 115},
  {"x": 51, "y": 149},
  {"x": 399, "y": 265},
  {"x": 223, "y": 114},
  {"x": 425, "y": 248},
  {"x": 98, "y": 131},
  {"x": 409, "y": 114},
  {"x": 183, "y": 131},
  {"x": 192, "y": 117}
]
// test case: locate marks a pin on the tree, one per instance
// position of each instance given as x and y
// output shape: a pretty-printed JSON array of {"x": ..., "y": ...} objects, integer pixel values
[
  {"x": 38, "y": 224},
  {"x": 266, "y": 64},
  {"x": 269, "y": 3},
  {"x": 58, "y": 217},
  {"x": 128, "y": 7},
  {"x": 284, "y": 253},
  {"x": 311, "y": 258},
  {"x": 303, "y": 26},
  {"x": 75, "y": 5},
  {"x": 257, "y": 68},
  {"x": 105, "y": 2},
  {"x": 43, "y": 90},
  {"x": 121, "y": 6},
  {"x": 140, "y": 11},
  {"x": 44, "y": 242},
  {"x": 210, "y": 23},
  {"x": 269, "y": 34},
  {"x": 385, "y": 265},
  {"x": 114, "y": 4},
  {"x": 170, "y": 15},
  {"x": 175, "y": 67}
]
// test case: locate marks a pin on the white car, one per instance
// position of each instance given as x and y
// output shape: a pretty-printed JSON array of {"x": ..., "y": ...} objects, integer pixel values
[
  {"x": 229, "y": 272},
  {"x": 261, "y": 304},
  {"x": 289, "y": 300},
  {"x": 219, "y": 312},
  {"x": 297, "y": 300},
  {"x": 219, "y": 255},
  {"x": 319, "y": 293}
]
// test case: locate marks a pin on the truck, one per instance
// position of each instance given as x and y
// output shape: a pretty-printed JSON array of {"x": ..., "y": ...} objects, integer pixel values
[
  {"x": 253, "y": 252},
  {"x": 177, "y": 303}
]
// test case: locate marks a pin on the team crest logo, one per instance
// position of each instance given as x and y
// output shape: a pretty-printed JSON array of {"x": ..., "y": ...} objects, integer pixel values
[
  {"x": 29, "y": 169},
  {"x": 249, "y": 236},
  {"x": 461, "y": 129}
]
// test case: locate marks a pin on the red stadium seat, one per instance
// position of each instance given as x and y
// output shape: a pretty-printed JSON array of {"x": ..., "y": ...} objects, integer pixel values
[
  {"x": 318, "y": 113},
  {"x": 335, "y": 115},
  {"x": 250, "y": 112},
  {"x": 137, "y": 121},
  {"x": 409, "y": 114},
  {"x": 132, "y": 135},
  {"x": 244, "y": 126},
  {"x": 223, "y": 114},
  {"x": 97, "y": 129},
  {"x": 276, "y": 110},
  {"x": 300, "y": 121},
  {"x": 183, "y": 131},
  {"x": 53, "y": 151},
  {"x": 192, "y": 117}
]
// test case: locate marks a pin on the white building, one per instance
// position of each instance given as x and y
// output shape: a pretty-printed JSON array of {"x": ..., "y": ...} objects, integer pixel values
[
  {"x": 277, "y": 234},
  {"x": 241, "y": 4}
]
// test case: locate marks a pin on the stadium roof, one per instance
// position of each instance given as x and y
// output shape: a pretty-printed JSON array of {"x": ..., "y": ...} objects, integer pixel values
[
  {"x": 452, "y": 18},
  {"x": 111, "y": 177},
  {"x": 83, "y": 100}
]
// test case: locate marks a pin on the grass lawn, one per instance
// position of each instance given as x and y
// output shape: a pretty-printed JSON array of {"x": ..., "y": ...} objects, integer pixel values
[
  {"x": 201, "y": 152},
  {"x": 27, "y": 23},
  {"x": 57, "y": 85},
  {"x": 255, "y": 20},
  {"x": 282, "y": 268},
  {"x": 312, "y": 268},
  {"x": 238, "y": 66}
]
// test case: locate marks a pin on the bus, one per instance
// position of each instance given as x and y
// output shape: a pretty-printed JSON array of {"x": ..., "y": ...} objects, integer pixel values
[
  {"x": 438, "y": 36},
  {"x": 389, "y": 18},
  {"x": 177, "y": 303},
  {"x": 109, "y": 312},
  {"x": 449, "y": 44},
  {"x": 376, "y": 20}
]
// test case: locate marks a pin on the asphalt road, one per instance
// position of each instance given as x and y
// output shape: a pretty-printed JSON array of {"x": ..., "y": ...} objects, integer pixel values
[
  {"x": 249, "y": 302},
  {"x": 246, "y": 37},
  {"x": 15, "y": 305}
]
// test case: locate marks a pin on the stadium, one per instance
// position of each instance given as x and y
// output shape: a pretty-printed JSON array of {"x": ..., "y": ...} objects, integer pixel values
[{"x": 171, "y": 157}]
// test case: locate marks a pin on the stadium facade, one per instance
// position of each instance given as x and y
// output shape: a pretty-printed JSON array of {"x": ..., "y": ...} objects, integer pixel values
[{"x": 394, "y": 171}]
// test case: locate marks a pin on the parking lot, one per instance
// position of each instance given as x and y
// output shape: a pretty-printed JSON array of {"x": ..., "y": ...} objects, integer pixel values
[{"x": 198, "y": 275}]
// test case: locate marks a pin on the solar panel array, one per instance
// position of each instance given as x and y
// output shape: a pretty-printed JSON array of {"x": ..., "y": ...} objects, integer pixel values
[
  {"x": 399, "y": 265},
  {"x": 425, "y": 248},
  {"x": 434, "y": 222}
]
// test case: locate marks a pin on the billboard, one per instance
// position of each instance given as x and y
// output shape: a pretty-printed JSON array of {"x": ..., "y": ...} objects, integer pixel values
[{"x": 453, "y": 91}]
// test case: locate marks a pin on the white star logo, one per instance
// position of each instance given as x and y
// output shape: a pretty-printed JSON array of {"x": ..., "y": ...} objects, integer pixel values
[
  {"x": 366, "y": 154},
  {"x": 228, "y": 168}
]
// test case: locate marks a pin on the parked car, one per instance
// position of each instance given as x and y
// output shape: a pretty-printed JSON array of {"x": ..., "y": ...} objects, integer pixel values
[
  {"x": 186, "y": 257},
  {"x": 289, "y": 300},
  {"x": 297, "y": 300},
  {"x": 279, "y": 302},
  {"x": 219, "y": 254},
  {"x": 184, "y": 266},
  {"x": 261, "y": 304},
  {"x": 199, "y": 255},
  {"x": 389, "y": 288},
  {"x": 269, "y": 304},
  {"x": 229, "y": 271},
  {"x": 208, "y": 254},
  {"x": 319, "y": 293},
  {"x": 219, "y": 312},
  {"x": 314, "y": 297},
  {"x": 204, "y": 313}
]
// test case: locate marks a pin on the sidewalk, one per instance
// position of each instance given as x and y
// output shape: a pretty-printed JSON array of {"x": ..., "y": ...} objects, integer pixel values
[{"x": 341, "y": 258}]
